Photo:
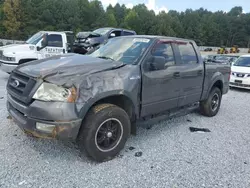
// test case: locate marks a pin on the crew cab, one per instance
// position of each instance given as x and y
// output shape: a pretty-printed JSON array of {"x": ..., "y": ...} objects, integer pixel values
[
  {"x": 41, "y": 45},
  {"x": 98, "y": 99}
]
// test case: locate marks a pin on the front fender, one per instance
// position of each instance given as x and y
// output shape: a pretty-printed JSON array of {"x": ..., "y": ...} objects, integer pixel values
[{"x": 84, "y": 108}]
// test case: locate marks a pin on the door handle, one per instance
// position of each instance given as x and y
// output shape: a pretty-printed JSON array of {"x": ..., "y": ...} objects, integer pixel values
[
  {"x": 200, "y": 72},
  {"x": 177, "y": 75}
]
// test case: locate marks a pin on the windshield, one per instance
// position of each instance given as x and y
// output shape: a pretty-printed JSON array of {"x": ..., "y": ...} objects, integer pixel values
[
  {"x": 243, "y": 62},
  {"x": 102, "y": 31},
  {"x": 125, "y": 49},
  {"x": 35, "y": 38}
]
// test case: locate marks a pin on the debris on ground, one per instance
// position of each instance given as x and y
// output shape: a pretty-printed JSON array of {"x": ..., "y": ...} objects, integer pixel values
[
  {"x": 9, "y": 117},
  {"x": 188, "y": 120},
  {"x": 131, "y": 148},
  {"x": 138, "y": 154},
  {"x": 194, "y": 129},
  {"x": 1, "y": 97}
]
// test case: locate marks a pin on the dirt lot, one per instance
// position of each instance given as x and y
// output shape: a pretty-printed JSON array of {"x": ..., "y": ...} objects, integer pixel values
[{"x": 172, "y": 156}]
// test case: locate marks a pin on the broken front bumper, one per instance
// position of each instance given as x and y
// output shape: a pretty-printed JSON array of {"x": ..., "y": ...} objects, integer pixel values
[{"x": 62, "y": 116}]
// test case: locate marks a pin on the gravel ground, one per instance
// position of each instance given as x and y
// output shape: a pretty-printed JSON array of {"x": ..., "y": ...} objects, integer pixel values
[{"x": 172, "y": 156}]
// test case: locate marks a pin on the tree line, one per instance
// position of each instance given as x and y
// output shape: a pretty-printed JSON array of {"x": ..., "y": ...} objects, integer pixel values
[{"x": 19, "y": 19}]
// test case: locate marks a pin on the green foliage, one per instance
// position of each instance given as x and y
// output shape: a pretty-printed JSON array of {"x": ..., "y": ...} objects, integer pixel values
[
  {"x": 19, "y": 19},
  {"x": 12, "y": 22}
]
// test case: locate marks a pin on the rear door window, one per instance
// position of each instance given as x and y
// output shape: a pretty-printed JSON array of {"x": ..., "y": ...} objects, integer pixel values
[
  {"x": 126, "y": 33},
  {"x": 187, "y": 53}
]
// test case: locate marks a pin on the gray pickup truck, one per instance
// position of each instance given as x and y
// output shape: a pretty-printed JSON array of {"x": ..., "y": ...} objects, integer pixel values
[{"x": 98, "y": 99}]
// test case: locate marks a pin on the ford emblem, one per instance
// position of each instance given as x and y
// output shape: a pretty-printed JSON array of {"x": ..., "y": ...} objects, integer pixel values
[{"x": 16, "y": 83}]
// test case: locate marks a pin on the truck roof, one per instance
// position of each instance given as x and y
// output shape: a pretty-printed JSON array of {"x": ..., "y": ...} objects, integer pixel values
[
  {"x": 56, "y": 31},
  {"x": 116, "y": 28},
  {"x": 159, "y": 37}
]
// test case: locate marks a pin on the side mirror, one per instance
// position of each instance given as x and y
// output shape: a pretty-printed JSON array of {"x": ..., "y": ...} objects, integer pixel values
[
  {"x": 38, "y": 48},
  {"x": 156, "y": 63},
  {"x": 112, "y": 35}
]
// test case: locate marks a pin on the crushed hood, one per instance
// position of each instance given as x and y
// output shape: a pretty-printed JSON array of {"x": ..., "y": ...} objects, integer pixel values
[
  {"x": 67, "y": 66},
  {"x": 88, "y": 34}
]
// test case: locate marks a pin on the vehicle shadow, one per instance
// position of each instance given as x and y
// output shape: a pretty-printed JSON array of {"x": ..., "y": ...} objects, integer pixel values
[{"x": 240, "y": 90}]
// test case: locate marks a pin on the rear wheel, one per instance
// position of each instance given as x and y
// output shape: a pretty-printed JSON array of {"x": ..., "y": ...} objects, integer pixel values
[
  {"x": 104, "y": 132},
  {"x": 211, "y": 105}
]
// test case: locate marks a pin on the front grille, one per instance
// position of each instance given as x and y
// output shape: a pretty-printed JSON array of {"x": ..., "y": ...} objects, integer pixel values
[
  {"x": 239, "y": 84},
  {"x": 240, "y": 75},
  {"x": 20, "y": 86}
]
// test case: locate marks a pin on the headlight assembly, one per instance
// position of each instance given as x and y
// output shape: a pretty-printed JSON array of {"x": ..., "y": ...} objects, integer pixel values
[
  {"x": 52, "y": 92},
  {"x": 8, "y": 58}
]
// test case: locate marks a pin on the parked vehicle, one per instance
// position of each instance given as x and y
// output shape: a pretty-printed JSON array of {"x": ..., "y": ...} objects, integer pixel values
[
  {"x": 208, "y": 49},
  {"x": 222, "y": 50},
  {"x": 232, "y": 58},
  {"x": 240, "y": 73},
  {"x": 97, "y": 99},
  {"x": 41, "y": 45},
  {"x": 235, "y": 49},
  {"x": 87, "y": 41},
  {"x": 45, "y": 44}
]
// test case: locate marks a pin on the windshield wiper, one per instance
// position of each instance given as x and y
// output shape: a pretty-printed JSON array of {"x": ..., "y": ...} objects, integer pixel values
[{"x": 105, "y": 57}]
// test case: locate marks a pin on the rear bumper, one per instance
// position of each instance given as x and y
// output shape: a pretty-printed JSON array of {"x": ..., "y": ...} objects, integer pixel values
[
  {"x": 61, "y": 115},
  {"x": 7, "y": 67}
]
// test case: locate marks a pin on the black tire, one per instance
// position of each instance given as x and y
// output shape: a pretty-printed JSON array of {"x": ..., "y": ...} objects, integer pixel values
[
  {"x": 207, "y": 107},
  {"x": 99, "y": 126}
]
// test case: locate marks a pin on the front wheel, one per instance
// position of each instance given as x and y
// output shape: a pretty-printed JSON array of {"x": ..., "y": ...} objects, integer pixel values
[
  {"x": 104, "y": 132},
  {"x": 211, "y": 105}
]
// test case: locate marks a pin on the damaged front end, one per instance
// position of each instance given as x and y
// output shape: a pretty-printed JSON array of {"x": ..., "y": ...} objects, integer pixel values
[{"x": 87, "y": 41}]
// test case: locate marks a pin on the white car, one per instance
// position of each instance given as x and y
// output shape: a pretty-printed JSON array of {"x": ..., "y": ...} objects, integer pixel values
[{"x": 240, "y": 73}]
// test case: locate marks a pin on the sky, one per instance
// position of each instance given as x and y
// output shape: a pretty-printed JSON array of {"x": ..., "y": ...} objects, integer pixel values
[{"x": 182, "y": 5}]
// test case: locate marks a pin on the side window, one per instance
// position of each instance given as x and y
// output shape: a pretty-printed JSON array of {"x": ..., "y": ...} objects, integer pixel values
[
  {"x": 187, "y": 52},
  {"x": 115, "y": 34},
  {"x": 55, "y": 40},
  {"x": 126, "y": 33},
  {"x": 162, "y": 57}
]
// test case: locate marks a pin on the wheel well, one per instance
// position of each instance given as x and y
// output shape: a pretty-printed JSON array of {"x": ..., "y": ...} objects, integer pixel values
[
  {"x": 25, "y": 60},
  {"x": 218, "y": 84},
  {"x": 122, "y": 101}
]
